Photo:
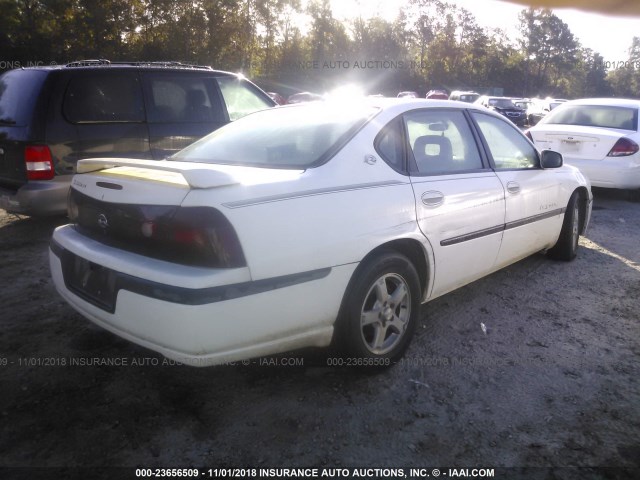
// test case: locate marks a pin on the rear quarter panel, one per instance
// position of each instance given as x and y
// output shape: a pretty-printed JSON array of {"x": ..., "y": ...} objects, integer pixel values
[{"x": 330, "y": 215}]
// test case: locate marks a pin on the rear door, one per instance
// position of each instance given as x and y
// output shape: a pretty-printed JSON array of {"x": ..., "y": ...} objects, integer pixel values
[
  {"x": 102, "y": 116},
  {"x": 460, "y": 201}
]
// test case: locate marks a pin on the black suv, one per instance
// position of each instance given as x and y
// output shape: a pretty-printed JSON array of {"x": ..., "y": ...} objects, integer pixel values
[
  {"x": 504, "y": 106},
  {"x": 51, "y": 117}
]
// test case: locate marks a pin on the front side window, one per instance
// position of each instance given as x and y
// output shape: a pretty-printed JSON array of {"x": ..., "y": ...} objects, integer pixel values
[
  {"x": 106, "y": 98},
  {"x": 286, "y": 137},
  {"x": 241, "y": 99},
  {"x": 509, "y": 148},
  {"x": 182, "y": 99},
  {"x": 441, "y": 142}
]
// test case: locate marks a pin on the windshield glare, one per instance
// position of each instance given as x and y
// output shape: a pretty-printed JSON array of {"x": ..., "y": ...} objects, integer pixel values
[
  {"x": 604, "y": 116},
  {"x": 285, "y": 137}
]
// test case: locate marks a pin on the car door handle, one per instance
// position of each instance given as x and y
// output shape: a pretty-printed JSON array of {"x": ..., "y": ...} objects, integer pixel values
[
  {"x": 433, "y": 198},
  {"x": 513, "y": 187}
]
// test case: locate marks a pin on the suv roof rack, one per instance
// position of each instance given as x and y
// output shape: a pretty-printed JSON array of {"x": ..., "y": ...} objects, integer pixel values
[{"x": 89, "y": 63}]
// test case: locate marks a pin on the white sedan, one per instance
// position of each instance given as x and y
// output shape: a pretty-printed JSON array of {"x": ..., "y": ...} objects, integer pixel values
[
  {"x": 599, "y": 136},
  {"x": 300, "y": 225}
]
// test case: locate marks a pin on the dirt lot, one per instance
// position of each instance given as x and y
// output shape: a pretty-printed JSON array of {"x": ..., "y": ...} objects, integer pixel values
[{"x": 552, "y": 383}]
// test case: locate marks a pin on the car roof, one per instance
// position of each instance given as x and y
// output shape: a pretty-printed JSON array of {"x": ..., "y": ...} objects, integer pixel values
[
  {"x": 401, "y": 104},
  {"x": 616, "y": 102},
  {"x": 153, "y": 66}
]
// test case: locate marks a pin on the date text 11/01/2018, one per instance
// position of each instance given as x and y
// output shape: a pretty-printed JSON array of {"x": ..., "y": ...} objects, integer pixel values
[{"x": 255, "y": 473}]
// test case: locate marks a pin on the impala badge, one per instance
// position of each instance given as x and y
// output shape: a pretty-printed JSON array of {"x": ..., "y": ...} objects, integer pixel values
[{"x": 102, "y": 221}]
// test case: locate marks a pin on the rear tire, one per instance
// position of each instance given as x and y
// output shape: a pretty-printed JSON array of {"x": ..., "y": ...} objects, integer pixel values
[
  {"x": 380, "y": 312},
  {"x": 567, "y": 246}
]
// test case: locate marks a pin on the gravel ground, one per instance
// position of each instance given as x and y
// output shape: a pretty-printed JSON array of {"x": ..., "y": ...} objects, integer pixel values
[{"x": 551, "y": 381}]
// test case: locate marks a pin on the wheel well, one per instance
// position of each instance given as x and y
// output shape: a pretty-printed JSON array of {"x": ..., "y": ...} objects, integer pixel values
[
  {"x": 583, "y": 200},
  {"x": 413, "y": 250}
]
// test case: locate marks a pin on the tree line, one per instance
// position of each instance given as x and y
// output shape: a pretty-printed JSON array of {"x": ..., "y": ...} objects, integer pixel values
[{"x": 287, "y": 46}]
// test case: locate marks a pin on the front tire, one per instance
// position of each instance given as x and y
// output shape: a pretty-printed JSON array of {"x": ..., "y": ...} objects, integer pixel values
[
  {"x": 381, "y": 309},
  {"x": 567, "y": 246}
]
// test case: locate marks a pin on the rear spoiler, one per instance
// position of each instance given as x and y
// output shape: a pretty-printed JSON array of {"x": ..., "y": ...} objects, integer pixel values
[{"x": 197, "y": 175}]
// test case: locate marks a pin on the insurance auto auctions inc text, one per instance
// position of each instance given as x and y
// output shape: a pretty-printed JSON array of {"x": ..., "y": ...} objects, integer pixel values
[{"x": 357, "y": 473}]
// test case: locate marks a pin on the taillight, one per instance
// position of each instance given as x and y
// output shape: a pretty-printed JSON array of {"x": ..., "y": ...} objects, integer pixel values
[
  {"x": 623, "y": 148},
  {"x": 39, "y": 163},
  {"x": 203, "y": 236},
  {"x": 72, "y": 207},
  {"x": 196, "y": 236}
]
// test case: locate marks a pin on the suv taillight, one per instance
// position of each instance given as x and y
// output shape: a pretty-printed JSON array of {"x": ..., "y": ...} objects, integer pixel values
[
  {"x": 623, "y": 148},
  {"x": 39, "y": 163}
]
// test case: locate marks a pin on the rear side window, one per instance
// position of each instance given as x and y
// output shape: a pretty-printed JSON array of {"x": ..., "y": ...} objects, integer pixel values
[
  {"x": 390, "y": 144},
  {"x": 623, "y": 118},
  {"x": 182, "y": 99},
  {"x": 241, "y": 98},
  {"x": 19, "y": 90},
  {"x": 104, "y": 98}
]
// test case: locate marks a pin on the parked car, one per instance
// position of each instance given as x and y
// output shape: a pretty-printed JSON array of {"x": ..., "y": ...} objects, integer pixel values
[
  {"x": 462, "y": 96},
  {"x": 522, "y": 103},
  {"x": 299, "y": 225},
  {"x": 410, "y": 94},
  {"x": 539, "y": 108},
  {"x": 276, "y": 97},
  {"x": 505, "y": 107},
  {"x": 437, "y": 95},
  {"x": 50, "y": 117},
  {"x": 599, "y": 136},
  {"x": 304, "y": 97}
]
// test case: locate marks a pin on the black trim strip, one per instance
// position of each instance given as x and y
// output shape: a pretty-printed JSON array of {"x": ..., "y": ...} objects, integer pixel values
[
  {"x": 499, "y": 228},
  {"x": 535, "y": 218},
  {"x": 181, "y": 295},
  {"x": 472, "y": 236}
]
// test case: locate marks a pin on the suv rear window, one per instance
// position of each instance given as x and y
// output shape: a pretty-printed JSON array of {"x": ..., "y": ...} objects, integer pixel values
[
  {"x": 103, "y": 98},
  {"x": 19, "y": 91}
]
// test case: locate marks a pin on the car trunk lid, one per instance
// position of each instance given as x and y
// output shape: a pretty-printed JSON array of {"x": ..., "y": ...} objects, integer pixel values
[
  {"x": 585, "y": 143},
  {"x": 137, "y": 206}
]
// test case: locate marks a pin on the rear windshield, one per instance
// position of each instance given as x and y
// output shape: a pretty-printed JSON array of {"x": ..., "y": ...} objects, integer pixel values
[
  {"x": 19, "y": 91},
  {"x": 623, "y": 118},
  {"x": 501, "y": 103},
  {"x": 285, "y": 137}
]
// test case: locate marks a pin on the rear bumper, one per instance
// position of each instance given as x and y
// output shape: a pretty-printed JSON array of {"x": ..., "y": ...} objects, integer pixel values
[
  {"x": 37, "y": 198},
  {"x": 243, "y": 323},
  {"x": 623, "y": 173}
]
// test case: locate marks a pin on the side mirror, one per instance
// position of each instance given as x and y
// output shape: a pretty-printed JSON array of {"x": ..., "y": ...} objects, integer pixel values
[{"x": 550, "y": 159}]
